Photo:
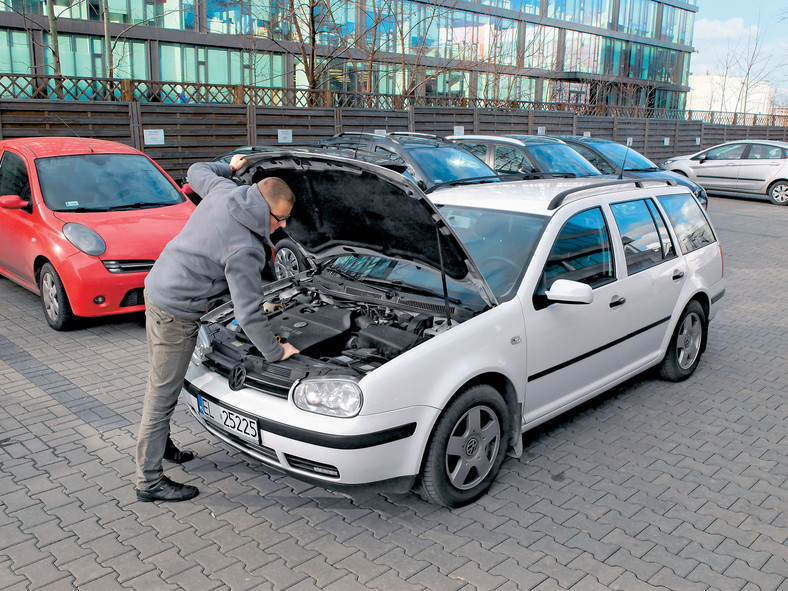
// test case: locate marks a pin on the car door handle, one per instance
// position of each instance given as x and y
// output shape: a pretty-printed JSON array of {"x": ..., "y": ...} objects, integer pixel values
[
  {"x": 677, "y": 275},
  {"x": 617, "y": 301}
]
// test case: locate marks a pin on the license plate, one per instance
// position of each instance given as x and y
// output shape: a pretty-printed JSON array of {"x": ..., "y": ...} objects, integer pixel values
[{"x": 241, "y": 425}]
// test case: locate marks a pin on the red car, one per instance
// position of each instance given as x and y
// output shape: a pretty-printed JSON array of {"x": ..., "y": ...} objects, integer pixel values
[{"x": 82, "y": 222}]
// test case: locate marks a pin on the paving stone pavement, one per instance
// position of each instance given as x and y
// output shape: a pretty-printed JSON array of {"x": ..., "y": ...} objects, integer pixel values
[{"x": 651, "y": 486}]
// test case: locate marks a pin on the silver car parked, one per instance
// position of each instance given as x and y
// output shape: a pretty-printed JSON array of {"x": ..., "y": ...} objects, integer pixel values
[{"x": 742, "y": 167}]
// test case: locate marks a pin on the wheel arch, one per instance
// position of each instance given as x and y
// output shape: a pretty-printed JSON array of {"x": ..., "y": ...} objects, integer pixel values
[
  {"x": 775, "y": 182},
  {"x": 504, "y": 386},
  {"x": 38, "y": 263},
  {"x": 703, "y": 299}
]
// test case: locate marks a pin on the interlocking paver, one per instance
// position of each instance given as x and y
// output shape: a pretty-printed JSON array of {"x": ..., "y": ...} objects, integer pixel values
[{"x": 652, "y": 486}]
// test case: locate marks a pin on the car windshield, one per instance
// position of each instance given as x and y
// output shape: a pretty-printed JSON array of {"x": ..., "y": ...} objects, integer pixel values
[
  {"x": 104, "y": 182},
  {"x": 560, "y": 158},
  {"x": 396, "y": 274},
  {"x": 501, "y": 243},
  {"x": 621, "y": 155},
  {"x": 448, "y": 163}
]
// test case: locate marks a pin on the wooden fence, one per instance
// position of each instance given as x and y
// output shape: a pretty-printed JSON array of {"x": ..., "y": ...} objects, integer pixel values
[{"x": 196, "y": 132}]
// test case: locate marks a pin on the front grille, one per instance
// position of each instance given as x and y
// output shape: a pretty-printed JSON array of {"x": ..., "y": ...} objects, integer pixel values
[
  {"x": 130, "y": 266},
  {"x": 133, "y": 297},
  {"x": 269, "y": 384}
]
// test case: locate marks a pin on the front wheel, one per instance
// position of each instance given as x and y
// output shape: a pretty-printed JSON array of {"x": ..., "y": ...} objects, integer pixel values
[
  {"x": 288, "y": 260},
  {"x": 686, "y": 344},
  {"x": 466, "y": 449},
  {"x": 57, "y": 310},
  {"x": 778, "y": 193}
]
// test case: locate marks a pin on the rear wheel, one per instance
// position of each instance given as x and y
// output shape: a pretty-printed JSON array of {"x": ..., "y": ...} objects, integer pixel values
[
  {"x": 778, "y": 193},
  {"x": 467, "y": 448},
  {"x": 57, "y": 310},
  {"x": 686, "y": 344}
]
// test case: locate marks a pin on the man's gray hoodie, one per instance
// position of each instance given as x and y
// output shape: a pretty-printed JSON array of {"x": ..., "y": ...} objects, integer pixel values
[{"x": 222, "y": 245}]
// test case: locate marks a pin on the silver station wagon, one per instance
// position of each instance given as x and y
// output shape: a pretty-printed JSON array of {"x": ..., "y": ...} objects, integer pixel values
[{"x": 433, "y": 334}]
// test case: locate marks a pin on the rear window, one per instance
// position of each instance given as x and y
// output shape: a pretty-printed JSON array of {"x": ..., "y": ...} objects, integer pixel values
[
  {"x": 689, "y": 222},
  {"x": 104, "y": 182}
]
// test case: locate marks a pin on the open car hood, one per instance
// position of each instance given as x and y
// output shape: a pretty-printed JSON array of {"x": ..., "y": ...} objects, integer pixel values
[{"x": 346, "y": 206}]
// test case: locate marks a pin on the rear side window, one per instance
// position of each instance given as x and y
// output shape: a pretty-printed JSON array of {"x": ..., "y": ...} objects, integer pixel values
[
  {"x": 478, "y": 150},
  {"x": 510, "y": 160},
  {"x": 581, "y": 252},
  {"x": 689, "y": 222},
  {"x": 643, "y": 233}
]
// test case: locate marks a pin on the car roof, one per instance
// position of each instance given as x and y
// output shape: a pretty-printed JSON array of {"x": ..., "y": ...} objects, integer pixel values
[
  {"x": 46, "y": 147},
  {"x": 536, "y": 196},
  {"x": 399, "y": 138},
  {"x": 584, "y": 139},
  {"x": 515, "y": 140},
  {"x": 754, "y": 141}
]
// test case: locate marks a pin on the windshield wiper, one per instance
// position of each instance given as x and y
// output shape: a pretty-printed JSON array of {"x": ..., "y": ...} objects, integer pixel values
[
  {"x": 470, "y": 181},
  {"x": 137, "y": 205}
]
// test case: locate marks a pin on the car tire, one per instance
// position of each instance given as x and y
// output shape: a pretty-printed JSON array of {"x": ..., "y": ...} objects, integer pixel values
[
  {"x": 686, "y": 345},
  {"x": 778, "y": 193},
  {"x": 54, "y": 300},
  {"x": 288, "y": 259},
  {"x": 466, "y": 449}
]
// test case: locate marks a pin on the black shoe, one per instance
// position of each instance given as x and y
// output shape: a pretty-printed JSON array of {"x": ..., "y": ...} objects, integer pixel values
[
  {"x": 173, "y": 454},
  {"x": 167, "y": 490}
]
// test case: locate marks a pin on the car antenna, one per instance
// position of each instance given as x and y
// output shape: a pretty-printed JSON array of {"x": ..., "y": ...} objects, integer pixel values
[
  {"x": 623, "y": 164},
  {"x": 71, "y": 130}
]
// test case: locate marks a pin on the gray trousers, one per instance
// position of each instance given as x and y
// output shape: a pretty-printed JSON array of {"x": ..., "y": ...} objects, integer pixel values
[{"x": 171, "y": 341}]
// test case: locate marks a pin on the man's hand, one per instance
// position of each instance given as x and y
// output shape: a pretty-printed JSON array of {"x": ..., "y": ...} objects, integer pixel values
[
  {"x": 290, "y": 350},
  {"x": 237, "y": 162}
]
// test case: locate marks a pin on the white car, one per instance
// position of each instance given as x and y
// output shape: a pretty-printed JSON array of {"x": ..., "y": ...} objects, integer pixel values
[
  {"x": 432, "y": 335},
  {"x": 742, "y": 167}
]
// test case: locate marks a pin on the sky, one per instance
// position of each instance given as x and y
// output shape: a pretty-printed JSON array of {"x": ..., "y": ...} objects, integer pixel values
[{"x": 723, "y": 27}]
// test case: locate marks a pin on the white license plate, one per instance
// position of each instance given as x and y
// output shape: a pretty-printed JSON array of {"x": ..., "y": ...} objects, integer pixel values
[{"x": 241, "y": 425}]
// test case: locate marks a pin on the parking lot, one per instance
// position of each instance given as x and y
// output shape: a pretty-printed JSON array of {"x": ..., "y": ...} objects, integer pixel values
[{"x": 652, "y": 486}]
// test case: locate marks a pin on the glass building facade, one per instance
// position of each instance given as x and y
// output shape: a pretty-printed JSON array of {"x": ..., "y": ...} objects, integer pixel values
[{"x": 629, "y": 52}]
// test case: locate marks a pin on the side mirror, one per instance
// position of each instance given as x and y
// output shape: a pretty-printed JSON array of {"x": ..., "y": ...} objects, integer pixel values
[
  {"x": 702, "y": 158},
  {"x": 570, "y": 292},
  {"x": 13, "y": 202}
]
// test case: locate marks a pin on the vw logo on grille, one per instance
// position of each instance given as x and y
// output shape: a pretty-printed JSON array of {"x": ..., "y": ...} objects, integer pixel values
[{"x": 237, "y": 377}]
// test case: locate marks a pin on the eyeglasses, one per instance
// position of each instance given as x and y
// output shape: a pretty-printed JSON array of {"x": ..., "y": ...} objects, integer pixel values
[{"x": 280, "y": 219}]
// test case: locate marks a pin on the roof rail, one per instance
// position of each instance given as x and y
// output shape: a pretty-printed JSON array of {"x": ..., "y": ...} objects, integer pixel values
[{"x": 558, "y": 200}]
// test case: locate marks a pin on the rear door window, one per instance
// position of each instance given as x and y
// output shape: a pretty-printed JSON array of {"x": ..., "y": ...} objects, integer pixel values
[
  {"x": 643, "y": 233},
  {"x": 689, "y": 222}
]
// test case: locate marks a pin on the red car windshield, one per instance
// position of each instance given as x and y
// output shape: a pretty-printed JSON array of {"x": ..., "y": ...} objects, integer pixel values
[{"x": 104, "y": 182}]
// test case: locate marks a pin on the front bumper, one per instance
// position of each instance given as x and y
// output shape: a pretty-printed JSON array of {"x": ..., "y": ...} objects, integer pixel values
[
  {"x": 355, "y": 451},
  {"x": 85, "y": 278}
]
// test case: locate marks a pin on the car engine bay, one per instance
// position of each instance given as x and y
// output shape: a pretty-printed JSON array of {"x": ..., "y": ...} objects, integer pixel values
[{"x": 340, "y": 327}]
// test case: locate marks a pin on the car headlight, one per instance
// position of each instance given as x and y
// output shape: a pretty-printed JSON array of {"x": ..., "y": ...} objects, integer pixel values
[
  {"x": 202, "y": 347},
  {"x": 336, "y": 397},
  {"x": 85, "y": 239}
]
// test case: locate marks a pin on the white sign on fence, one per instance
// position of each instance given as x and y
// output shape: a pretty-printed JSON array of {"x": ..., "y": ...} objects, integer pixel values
[
  {"x": 284, "y": 136},
  {"x": 153, "y": 137}
]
